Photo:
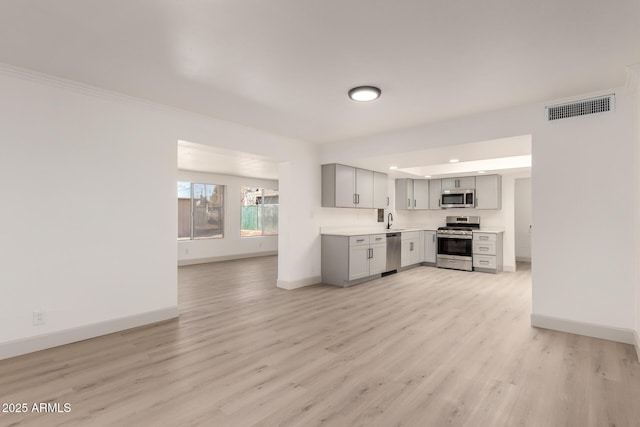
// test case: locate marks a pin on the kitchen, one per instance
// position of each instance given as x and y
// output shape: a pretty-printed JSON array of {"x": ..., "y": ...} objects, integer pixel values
[{"x": 421, "y": 225}]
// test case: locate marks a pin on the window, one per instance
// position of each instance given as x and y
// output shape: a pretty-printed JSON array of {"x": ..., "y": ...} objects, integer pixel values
[
  {"x": 259, "y": 209},
  {"x": 200, "y": 211}
]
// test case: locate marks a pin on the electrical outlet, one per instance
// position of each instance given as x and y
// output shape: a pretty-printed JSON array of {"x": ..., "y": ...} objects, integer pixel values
[{"x": 38, "y": 318}]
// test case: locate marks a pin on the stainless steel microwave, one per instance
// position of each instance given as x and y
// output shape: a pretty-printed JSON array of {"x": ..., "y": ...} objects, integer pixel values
[{"x": 458, "y": 198}]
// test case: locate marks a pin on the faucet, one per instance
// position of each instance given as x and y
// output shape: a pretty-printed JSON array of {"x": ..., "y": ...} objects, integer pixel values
[{"x": 389, "y": 219}]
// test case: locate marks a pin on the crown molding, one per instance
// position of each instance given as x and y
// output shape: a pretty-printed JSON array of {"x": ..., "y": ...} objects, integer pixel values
[{"x": 86, "y": 89}]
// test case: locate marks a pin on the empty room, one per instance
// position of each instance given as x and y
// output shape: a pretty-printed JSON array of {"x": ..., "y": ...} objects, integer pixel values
[{"x": 285, "y": 213}]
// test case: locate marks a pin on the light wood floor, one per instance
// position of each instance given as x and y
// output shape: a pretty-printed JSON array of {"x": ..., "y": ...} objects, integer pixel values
[{"x": 426, "y": 347}]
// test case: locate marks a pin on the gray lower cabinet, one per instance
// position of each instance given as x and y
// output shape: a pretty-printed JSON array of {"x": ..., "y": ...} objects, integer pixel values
[
  {"x": 430, "y": 247},
  {"x": 349, "y": 260},
  {"x": 487, "y": 252},
  {"x": 411, "y": 248}
]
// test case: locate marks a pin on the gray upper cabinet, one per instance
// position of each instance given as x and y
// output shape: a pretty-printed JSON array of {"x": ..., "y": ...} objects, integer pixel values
[
  {"x": 380, "y": 190},
  {"x": 404, "y": 193},
  {"x": 347, "y": 187},
  {"x": 364, "y": 188},
  {"x": 435, "y": 189},
  {"x": 412, "y": 194},
  {"x": 461, "y": 183},
  {"x": 488, "y": 192},
  {"x": 420, "y": 194}
]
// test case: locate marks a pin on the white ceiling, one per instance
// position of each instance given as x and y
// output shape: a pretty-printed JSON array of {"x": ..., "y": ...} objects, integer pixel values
[
  {"x": 204, "y": 158},
  {"x": 286, "y": 65}
]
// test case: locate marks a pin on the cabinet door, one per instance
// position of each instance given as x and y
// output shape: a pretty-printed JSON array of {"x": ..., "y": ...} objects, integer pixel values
[
  {"x": 460, "y": 183},
  {"x": 364, "y": 188},
  {"x": 449, "y": 183},
  {"x": 420, "y": 194},
  {"x": 378, "y": 260},
  {"x": 414, "y": 251},
  {"x": 358, "y": 262},
  {"x": 435, "y": 190},
  {"x": 430, "y": 246},
  {"x": 380, "y": 190},
  {"x": 404, "y": 194},
  {"x": 467, "y": 182},
  {"x": 410, "y": 253},
  {"x": 405, "y": 253},
  {"x": 345, "y": 186},
  {"x": 489, "y": 192}
]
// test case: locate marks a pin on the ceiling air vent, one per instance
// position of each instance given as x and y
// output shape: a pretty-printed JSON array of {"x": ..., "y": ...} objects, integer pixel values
[{"x": 581, "y": 108}]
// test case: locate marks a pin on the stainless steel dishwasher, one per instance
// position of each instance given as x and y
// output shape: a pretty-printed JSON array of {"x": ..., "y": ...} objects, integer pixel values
[{"x": 394, "y": 245}]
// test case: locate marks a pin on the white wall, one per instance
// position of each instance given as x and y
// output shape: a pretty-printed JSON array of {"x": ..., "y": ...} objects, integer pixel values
[
  {"x": 90, "y": 216},
  {"x": 591, "y": 158},
  {"x": 232, "y": 246},
  {"x": 87, "y": 219},
  {"x": 523, "y": 221}
]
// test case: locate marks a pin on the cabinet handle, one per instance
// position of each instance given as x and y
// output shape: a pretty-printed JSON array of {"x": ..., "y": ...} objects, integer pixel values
[
  {"x": 414, "y": 203},
  {"x": 355, "y": 200},
  {"x": 359, "y": 240},
  {"x": 370, "y": 253},
  {"x": 358, "y": 198},
  {"x": 476, "y": 201},
  {"x": 484, "y": 262},
  {"x": 387, "y": 200},
  {"x": 484, "y": 248},
  {"x": 433, "y": 238},
  {"x": 410, "y": 246},
  {"x": 408, "y": 203}
]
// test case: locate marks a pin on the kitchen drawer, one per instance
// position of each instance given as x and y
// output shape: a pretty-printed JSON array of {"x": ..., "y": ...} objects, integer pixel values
[
  {"x": 378, "y": 238},
  {"x": 408, "y": 235},
  {"x": 358, "y": 240},
  {"x": 484, "y": 237},
  {"x": 484, "y": 248},
  {"x": 484, "y": 261}
]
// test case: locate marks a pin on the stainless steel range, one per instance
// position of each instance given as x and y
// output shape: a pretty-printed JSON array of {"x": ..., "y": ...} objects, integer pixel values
[{"x": 455, "y": 247}]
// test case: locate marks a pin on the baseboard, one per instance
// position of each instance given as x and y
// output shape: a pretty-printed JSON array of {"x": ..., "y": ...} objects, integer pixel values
[
  {"x": 637, "y": 343},
  {"x": 523, "y": 259},
  {"x": 611, "y": 333},
  {"x": 184, "y": 262},
  {"x": 295, "y": 284},
  {"x": 81, "y": 333},
  {"x": 509, "y": 268}
]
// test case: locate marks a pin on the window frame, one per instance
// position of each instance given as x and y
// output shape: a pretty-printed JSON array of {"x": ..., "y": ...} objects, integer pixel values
[
  {"x": 192, "y": 205},
  {"x": 261, "y": 204}
]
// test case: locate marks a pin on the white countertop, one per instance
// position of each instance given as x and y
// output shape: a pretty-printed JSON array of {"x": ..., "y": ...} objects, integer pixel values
[
  {"x": 367, "y": 231},
  {"x": 355, "y": 231}
]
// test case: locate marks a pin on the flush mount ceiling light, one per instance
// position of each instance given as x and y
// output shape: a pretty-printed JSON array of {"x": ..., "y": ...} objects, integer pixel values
[
  {"x": 454, "y": 160},
  {"x": 393, "y": 167},
  {"x": 364, "y": 93},
  {"x": 427, "y": 176},
  {"x": 482, "y": 171}
]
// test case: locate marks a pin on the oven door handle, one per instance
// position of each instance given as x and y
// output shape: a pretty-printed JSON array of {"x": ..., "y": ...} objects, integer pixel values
[{"x": 448, "y": 236}]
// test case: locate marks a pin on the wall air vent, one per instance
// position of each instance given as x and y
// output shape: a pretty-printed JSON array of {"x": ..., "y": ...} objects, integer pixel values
[{"x": 581, "y": 108}]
